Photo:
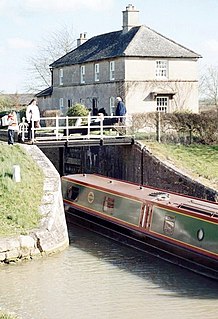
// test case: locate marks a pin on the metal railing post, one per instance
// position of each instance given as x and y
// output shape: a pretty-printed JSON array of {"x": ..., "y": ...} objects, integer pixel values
[
  {"x": 23, "y": 129},
  {"x": 67, "y": 127},
  {"x": 89, "y": 121},
  {"x": 56, "y": 126},
  {"x": 33, "y": 130},
  {"x": 101, "y": 126}
]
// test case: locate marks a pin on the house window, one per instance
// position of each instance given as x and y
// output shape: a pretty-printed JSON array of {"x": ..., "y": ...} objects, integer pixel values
[
  {"x": 69, "y": 103},
  {"x": 112, "y": 70},
  {"x": 161, "y": 69},
  {"x": 97, "y": 72},
  {"x": 61, "y": 75},
  {"x": 112, "y": 105},
  {"x": 162, "y": 104},
  {"x": 61, "y": 104},
  {"x": 82, "y": 74}
]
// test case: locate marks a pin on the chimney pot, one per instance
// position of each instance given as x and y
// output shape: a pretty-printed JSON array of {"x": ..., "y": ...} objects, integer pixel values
[
  {"x": 130, "y": 18},
  {"x": 82, "y": 39}
]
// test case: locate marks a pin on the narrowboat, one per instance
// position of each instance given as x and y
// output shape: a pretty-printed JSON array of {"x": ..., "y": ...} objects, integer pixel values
[{"x": 178, "y": 228}]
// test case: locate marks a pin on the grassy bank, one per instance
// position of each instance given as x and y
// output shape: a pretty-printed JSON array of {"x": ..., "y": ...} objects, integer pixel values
[
  {"x": 199, "y": 161},
  {"x": 7, "y": 316},
  {"x": 19, "y": 202}
]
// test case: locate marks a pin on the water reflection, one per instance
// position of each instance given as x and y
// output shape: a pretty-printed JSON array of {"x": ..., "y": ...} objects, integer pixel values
[{"x": 171, "y": 278}]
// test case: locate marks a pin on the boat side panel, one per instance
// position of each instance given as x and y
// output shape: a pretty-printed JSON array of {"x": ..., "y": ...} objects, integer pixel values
[
  {"x": 106, "y": 203},
  {"x": 184, "y": 228}
]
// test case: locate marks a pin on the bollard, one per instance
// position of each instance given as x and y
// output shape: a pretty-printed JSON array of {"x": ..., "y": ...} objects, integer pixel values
[{"x": 16, "y": 173}]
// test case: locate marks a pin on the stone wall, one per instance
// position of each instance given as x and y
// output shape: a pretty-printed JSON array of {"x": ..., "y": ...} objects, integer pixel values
[
  {"x": 134, "y": 163},
  {"x": 52, "y": 234},
  {"x": 163, "y": 175}
]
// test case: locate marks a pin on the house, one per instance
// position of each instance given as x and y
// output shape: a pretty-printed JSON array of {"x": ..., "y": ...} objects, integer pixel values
[
  {"x": 149, "y": 71},
  {"x": 45, "y": 99}
]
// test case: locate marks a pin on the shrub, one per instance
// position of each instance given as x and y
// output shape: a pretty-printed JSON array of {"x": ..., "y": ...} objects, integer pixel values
[
  {"x": 77, "y": 110},
  {"x": 179, "y": 127}
]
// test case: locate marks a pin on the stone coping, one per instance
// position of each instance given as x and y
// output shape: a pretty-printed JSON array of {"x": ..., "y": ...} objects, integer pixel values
[{"x": 52, "y": 234}]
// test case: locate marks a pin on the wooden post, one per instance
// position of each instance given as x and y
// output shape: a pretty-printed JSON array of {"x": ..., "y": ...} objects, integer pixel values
[
  {"x": 16, "y": 173},
  {"x": 158, "y": 126}
]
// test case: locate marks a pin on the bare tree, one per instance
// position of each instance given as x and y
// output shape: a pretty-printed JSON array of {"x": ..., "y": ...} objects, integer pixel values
[
  {"x": 209, "y": 85},
  {"x": 52, "y": 47},
  {"x": 5, "y": 102}
]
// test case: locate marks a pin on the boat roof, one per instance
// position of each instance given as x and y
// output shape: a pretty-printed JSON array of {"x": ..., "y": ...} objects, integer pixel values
[{"x": 146, "y": 193}]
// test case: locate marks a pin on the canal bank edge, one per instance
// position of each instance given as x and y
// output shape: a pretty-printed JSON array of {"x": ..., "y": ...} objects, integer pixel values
[{"x": 52, "y": 234}]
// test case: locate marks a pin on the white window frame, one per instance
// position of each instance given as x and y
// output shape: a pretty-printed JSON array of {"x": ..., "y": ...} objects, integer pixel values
[
  {"x": 162, "y": 103},
  {"x": 112, "y": 105},
  {"x": 162, "y": 69},
  {"x": 112, "y": 70},
  {"x": 61, "y": 76},
  {"x": 73, "y": 76},
  {"x": 82, "y": 73},
  {"x": 61, "y": 104},
  {"x": 96, "y": 72}
]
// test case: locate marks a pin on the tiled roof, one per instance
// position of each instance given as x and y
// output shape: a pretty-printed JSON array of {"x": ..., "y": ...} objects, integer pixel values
[
  {"x": 46, "y": 92},
  {"x": 139, "y": 41}
]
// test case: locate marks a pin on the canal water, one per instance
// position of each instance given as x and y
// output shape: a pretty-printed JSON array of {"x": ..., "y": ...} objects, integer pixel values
[{"x": 97, "y": 278}]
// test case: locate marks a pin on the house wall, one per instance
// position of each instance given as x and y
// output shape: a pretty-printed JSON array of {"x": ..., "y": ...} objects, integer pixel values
[
  {"x": 45, "y": 103},
  {"x": 141, "y": 77},
  {"x": 139, "y": 99},
  {"x": 71, "y": 74},
  {"x": 140, "y": 81},
  {"x": 84, "y": 93},
  {"x": 143, "y": 69}
]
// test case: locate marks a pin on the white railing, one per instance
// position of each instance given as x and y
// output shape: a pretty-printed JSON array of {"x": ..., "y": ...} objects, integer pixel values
[{"x": 69, "y": 128}]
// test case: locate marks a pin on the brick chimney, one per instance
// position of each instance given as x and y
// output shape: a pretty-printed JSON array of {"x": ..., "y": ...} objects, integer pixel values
[
  {"x": 130, "y": 18},
  {"x": 82, "y": 39}
]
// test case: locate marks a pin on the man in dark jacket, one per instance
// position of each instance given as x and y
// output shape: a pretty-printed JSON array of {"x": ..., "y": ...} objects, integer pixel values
[{"x": 121, "y": 109}]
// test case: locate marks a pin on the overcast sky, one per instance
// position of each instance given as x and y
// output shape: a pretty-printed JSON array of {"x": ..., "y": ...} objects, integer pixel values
[{"x": 24, "y": 23}]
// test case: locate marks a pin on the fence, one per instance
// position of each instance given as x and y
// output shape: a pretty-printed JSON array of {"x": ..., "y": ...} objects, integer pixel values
[{"x": 68, "y": 128}]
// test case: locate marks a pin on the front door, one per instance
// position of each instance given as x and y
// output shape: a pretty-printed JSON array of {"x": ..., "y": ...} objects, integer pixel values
[{"x": 94, "y": 106}]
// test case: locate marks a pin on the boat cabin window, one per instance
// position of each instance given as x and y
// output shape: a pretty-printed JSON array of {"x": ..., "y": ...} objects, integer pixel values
[
  {"x": 73, "y": 193},
  {"x": 196, "y": 209}
]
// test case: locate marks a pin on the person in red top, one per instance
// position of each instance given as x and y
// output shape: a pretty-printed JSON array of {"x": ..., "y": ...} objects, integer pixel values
[{"x": 12, "y": 127}]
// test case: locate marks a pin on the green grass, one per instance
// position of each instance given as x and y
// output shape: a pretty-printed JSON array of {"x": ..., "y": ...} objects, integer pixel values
[
  {"x": 19, "y": 202},
  {"x": 199, "y": 161},
  {"x": 7, "y": 316}
]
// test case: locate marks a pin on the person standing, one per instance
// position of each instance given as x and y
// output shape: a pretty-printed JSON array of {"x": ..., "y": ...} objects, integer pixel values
[
  {"x": 12, "y": 127},
  {"x": 120, "y": 109},
  {"x": 32, "y": 116}
]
